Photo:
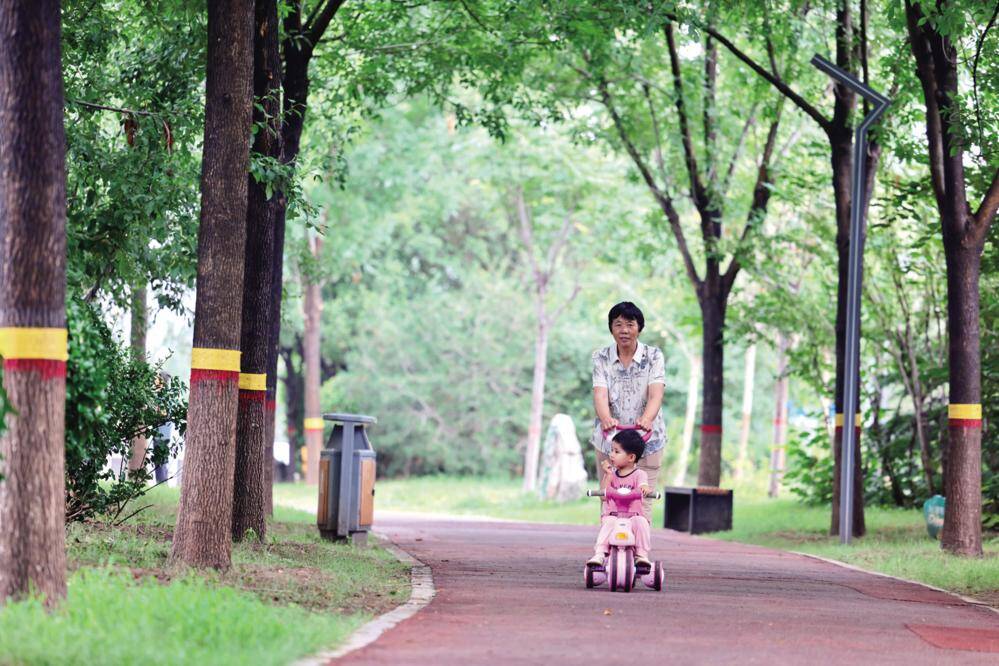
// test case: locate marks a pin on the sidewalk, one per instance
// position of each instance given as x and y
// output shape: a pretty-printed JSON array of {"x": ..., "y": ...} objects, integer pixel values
[{"x": 513, "y": 592}]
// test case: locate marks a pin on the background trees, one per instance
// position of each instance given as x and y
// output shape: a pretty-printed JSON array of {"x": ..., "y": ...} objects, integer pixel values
[{"x": 386, "y": 144}]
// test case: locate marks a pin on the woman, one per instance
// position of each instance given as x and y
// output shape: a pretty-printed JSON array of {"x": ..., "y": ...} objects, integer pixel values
[{"x": 629, "y": 379}]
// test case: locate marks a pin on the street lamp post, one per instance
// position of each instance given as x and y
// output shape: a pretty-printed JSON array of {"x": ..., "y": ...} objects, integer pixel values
[{"x": 855, "y": 276}]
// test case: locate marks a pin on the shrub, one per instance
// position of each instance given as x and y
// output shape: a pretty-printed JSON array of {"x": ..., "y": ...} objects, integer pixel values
[{"x": 111, "y": 398}]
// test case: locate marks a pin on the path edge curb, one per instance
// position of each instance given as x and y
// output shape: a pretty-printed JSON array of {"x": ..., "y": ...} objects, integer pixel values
[
  {"x": 971, "y": 601},
  {"x": 422, "y": 592}
]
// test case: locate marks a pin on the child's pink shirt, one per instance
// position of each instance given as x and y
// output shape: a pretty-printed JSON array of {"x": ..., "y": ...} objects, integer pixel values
[{"x": 635, "y": 480}]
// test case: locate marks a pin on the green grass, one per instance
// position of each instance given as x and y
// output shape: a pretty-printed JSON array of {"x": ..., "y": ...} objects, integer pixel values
[
  {"x": 280, "y": 600},
  {"x": 896, "y": 541},
  {"x": 110, "y": 618},
  {"x": 463, "y": 496},
  {"x": 896, "y": 544}
]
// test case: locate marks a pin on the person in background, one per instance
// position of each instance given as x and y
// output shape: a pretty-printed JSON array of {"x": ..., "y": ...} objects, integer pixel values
[{"x": 161, "y": 442}]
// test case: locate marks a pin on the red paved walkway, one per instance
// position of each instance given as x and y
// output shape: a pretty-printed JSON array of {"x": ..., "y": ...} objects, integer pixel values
[{"x": 512, "y": 593}]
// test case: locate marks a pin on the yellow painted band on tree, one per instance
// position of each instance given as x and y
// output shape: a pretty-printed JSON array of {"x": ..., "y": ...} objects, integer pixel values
[
  {"x": 857, "y": 420},
  {"x": 252, "y": 382},
  {"x": 967, "y": 411},
  {"x": 314, "y": 423},
  {"x": 226, "y": 360},
  {"x": 34, "y": 343}
]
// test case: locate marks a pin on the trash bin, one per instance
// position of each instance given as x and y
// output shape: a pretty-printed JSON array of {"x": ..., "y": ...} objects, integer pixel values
[
  {"x": 698, "y": 510},
  {"x": 347, "y": 480}
]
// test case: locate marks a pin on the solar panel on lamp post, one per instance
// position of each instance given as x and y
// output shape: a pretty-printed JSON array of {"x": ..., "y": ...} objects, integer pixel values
[{"x": 855, "y": 276}]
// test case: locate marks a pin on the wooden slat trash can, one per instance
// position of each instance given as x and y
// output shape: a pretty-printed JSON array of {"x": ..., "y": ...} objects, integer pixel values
[
  {"x": 698, "y": 510},
  {"x": 347, "y": 480}
]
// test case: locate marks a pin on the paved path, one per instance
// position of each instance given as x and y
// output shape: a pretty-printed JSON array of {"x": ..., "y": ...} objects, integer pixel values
[{"x": 512, "y": 593}]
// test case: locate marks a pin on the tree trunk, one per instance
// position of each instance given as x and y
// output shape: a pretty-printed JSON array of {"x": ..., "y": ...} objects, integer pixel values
[
  {"x": 313, "y": 305},
  {"x": 779, "y": 452},
  {"x": 297, "y": 55},
  {"x": 273, "y": 341},
  {"x": 747, "y": 412},
  {"x": 537, "y": 408},
  {"x": 32, "y": 302},
  {"x": 713, "y": 341},
  {"x": 689, "y": 419},
  {"x": 964, "y": 235},
  {"x": 294, "y": 401},
  {"x": 248, "y": 511},
  {"x": 137, "y": 333},
  {"x": 962, "y": 531},
  {"x": 204, "y": 520},
  {"x": 919, "y": 416}
]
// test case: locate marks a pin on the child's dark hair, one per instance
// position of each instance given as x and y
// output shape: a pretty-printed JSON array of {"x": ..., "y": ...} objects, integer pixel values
[
  {"x": 629, "y": 311},
  {"x": 631, "y": 442}
]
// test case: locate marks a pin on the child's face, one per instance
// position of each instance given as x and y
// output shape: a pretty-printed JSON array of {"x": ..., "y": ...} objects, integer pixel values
[{"x": 619, "y": 458}]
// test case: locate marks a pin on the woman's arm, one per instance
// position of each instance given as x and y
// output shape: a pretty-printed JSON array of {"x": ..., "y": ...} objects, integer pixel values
[
  {"x": 652, "y": 406},
  {"x": 601, "y": 403}
]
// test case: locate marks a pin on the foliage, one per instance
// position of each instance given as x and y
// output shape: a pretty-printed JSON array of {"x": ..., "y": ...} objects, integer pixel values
[
  {"x": 132, "y": 168},
  {"x": 419, "y": 251},
  {"x": 990, "y": 381},
  {"x": 111, "y": 398}
]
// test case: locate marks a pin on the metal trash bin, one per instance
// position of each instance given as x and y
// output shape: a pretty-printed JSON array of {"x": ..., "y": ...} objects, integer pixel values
[
  {"x": 347, "y": 480},
  {"x": 697, "y": 510}
]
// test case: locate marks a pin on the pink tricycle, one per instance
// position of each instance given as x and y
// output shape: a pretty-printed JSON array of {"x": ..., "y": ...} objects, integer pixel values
[{"x": 619, "y": 569}]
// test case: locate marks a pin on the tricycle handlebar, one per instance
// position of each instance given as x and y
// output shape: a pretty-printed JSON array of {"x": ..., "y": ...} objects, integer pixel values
[
  {"x": 602, "y": 493},
  {"x": 646, "y": 433}
]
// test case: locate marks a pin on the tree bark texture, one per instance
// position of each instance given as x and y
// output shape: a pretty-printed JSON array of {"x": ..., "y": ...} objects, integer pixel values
[
  {"x": 537, "y": 407},
  {"x": 313, "y": 425},
  {"x": 250, "y": 476},
  {"x": 137, "y": 334},
  {"x": 713, "y": 350},
  {"x": 962, "y": 530},
  {"x": 202, "y": 537},
  {"x": 747, "y": 412},
  {"x": 689, "y": 419},
  {"x": 294, "y": 400},
  {"x": 273, "y": 340},
  {"x": 779, "y": 452},
  {"x": 32, "y": 301}
]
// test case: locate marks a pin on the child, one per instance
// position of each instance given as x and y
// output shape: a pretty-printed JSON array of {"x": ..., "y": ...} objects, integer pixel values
[{"x": 620, "y": 471}]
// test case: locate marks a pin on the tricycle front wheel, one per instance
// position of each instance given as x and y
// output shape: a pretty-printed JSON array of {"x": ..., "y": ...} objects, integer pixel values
[{"x": 622, "y": 569}]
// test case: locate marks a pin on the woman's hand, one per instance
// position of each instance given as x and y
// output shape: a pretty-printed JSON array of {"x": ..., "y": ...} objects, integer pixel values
[
  {"x": 609, "y": 423},
  {"x": 645, "y": 422}
]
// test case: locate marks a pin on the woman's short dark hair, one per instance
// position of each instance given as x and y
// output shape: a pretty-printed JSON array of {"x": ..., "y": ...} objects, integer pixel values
[
  {"x": 629, "y": 311},
  {"x": 631, "y": 442}
]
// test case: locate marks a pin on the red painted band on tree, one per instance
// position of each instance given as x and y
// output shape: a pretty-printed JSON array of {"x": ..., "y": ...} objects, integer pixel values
[
  {"x": 252, "y": 396},
  {"x": 47, "y": 368},
  {"x": 964, "y": 423},
  {"x": 199, "y": 375}
]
